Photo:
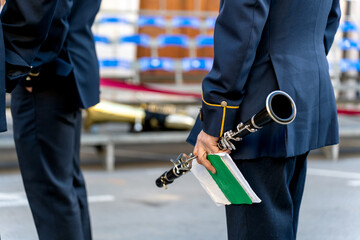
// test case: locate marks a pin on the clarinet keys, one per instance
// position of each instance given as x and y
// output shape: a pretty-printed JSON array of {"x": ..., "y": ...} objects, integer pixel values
[{"x": 182, "y": 165}]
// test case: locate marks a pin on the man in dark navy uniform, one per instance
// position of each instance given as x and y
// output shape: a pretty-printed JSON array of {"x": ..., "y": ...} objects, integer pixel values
[
  {"x": 262, "y": 46},
  {"x": 25, "y": 27},
  {"x": 46, "y": 109}
]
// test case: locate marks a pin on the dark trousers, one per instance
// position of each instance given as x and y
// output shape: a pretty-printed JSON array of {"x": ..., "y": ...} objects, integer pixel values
[
  {"x": 47, "y": 127},
  {"x": 280, "y": 184}
]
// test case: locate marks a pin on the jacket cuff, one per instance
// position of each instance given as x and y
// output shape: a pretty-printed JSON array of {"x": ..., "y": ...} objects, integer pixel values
[
  {"x": 217, "y": 118},
  {"x": 14, "y": 75},
  {"x": 14, "y": 59}
]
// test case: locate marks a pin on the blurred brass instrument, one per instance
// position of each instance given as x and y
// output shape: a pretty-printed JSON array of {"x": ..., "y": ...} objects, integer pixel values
[{"x": 144, "y": 118}]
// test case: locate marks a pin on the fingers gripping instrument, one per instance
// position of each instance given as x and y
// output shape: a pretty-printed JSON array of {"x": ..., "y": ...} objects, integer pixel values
[{"x": 279, "y": 108}]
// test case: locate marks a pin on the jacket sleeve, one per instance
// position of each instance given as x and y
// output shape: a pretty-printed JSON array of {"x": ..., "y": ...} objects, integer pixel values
[
  {"x": 25, "y": 25},
  {"x": 238, "y": 30},
  {"x": 332, "y": 25}
]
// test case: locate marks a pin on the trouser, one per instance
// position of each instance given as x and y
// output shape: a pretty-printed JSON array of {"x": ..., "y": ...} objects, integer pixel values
[
  {"x": 47, "y": 127},
  {"x": 280, "y": 184}
]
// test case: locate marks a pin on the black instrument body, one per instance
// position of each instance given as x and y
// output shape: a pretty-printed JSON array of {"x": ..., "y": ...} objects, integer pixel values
[{"x": 181, "y": 166}]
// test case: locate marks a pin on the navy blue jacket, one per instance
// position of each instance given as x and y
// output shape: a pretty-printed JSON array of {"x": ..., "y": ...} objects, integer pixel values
[
  {"x": 265, "y": 45},
  {"x": 24, "y": 27},
  {"x": 70, "y": 47}
]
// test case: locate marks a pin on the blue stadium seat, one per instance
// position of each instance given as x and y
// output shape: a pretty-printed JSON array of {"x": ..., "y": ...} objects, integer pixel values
[
  {"x": 348, "y": 26},
  {"x": 113, "y": 19},
  {"x": 115, "y": 63},
  {"x": 204, "y": 41},
  {"x": 138, "y": 39},
  {"x": 150, "y": 64},
  {"x": 210, "y": 22},
  {"x": 101, "y": 39},
  {"x": 349, "y": 65},
  {"x": 165, "y": 40},
  {"x": 185, "y": 22},
  {"x": 346, "y": 44},
  {"x": 197, "y": 64},
  {"x": 151, "y": 21}
]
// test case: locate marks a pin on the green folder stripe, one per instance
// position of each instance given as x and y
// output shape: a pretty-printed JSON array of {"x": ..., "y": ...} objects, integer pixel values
[{"x": 228, "y": 184}]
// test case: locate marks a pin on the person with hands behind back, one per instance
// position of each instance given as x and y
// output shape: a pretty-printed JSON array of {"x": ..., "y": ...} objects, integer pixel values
[
  {"x": 23, "y": 27},
  {"x": 46, "y": 104}
]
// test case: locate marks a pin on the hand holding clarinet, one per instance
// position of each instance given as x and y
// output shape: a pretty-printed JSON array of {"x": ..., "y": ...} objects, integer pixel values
[{"x": 279, "y": 108}]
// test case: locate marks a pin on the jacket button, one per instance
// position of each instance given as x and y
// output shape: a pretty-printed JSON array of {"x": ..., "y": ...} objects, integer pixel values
[{"x": 223, "y": 103}]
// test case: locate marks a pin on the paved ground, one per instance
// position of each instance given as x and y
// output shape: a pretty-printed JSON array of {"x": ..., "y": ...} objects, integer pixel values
[{"x": 126, "y": 204}]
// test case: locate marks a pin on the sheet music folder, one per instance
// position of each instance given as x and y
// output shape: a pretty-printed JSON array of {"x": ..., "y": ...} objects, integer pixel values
[{"x": 227, "y": 185}]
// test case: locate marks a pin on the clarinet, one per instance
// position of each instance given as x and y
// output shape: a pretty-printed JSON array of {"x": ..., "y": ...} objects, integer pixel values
[{"x": 279, "y": 108}]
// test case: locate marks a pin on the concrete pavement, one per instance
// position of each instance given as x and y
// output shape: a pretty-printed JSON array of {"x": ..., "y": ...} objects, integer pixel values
[{"x": 126, "y": 204}]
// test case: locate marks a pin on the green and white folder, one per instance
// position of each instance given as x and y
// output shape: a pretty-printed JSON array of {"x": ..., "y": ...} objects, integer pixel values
[{"x": 227, "y": 185}]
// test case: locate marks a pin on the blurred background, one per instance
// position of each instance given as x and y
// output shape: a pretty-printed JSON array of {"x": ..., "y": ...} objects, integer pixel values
[{"x": 153, "y": 55}]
